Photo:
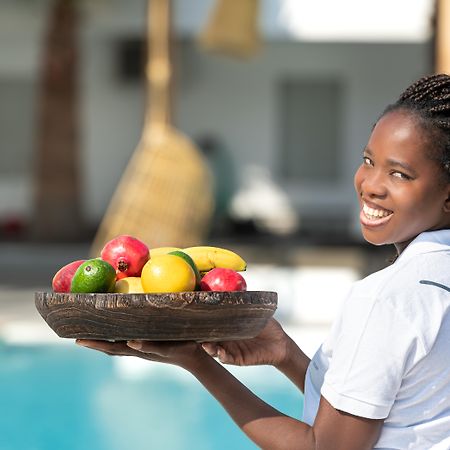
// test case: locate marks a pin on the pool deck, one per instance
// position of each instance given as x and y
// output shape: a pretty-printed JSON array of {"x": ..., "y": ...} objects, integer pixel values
[{"x": 307, "y": 305}]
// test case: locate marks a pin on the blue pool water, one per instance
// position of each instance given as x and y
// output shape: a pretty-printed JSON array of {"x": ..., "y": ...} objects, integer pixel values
[{"x": 69, "y": 398}]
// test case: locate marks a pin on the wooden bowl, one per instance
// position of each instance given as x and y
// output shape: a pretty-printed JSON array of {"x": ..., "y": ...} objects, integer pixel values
[{"x": 198, "y": 316}]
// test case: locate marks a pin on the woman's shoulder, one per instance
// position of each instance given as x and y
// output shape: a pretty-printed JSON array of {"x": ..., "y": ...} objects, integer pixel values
[
  {"x": 404, "y": 276},
  {"x": 377, "y": 283},
  {"x": 414, "y": 292}
]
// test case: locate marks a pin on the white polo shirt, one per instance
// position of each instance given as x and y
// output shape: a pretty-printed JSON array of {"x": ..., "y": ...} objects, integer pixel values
[{"x": 388, "y": 353}]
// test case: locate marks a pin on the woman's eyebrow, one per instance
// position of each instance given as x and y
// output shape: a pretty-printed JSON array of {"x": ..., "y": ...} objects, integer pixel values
[
  {"x": 393, "y": 162},
  {"x": 403, "y": 165}
]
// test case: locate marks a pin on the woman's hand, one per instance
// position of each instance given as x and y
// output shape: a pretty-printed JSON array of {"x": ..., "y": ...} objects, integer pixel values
[
  {"x": 270, "y": 347},
  {"x": 184, "y": 354}
]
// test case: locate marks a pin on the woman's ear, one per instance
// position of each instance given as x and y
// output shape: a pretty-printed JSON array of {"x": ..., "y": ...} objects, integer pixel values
[{"x": 447, "y": 201}]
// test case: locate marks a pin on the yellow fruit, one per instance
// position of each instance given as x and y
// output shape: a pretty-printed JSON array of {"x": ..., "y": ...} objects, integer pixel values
[
  {"x": 207, "y": 258},
  {"x": 129, "y": 285},
  {"x": 191, "y": 262},
  {"x": 167, "y": 273},
  {"x": 162, "y": 251}
]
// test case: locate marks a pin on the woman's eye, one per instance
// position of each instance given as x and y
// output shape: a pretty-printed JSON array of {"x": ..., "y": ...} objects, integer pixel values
[
  {"x": 401, "y": 175},
  {"x": 367, "y": 161}
]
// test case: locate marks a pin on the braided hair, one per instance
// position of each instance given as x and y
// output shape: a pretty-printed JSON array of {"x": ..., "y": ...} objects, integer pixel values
[{"x": 428, "y": 99}]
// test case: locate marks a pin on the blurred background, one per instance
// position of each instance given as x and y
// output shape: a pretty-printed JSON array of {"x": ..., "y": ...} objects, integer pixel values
[{"x": 277, "y": 96}]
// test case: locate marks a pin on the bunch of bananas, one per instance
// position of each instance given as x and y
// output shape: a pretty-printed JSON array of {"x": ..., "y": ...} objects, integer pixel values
[{"x": 207, "y": 258}]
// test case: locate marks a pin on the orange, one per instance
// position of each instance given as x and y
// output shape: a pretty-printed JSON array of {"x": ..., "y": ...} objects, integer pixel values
[{"x": 167, "y": 273}]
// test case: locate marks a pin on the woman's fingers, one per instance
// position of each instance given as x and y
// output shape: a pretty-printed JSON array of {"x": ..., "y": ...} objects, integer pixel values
[
  {"x": 163, "y": 349},
  {"x": 210, "y": 348},
  {"x": 156, "y": 348},
  {"x": 123, "y": 347},
  {"x": 179, "y": 353},
  {"x": 97, "y": 345},
  {"x": 110, "y": 348},
  {"x": 217, "y": 351},
  {"x": 136, "y": 345},
  {"x": 223, "y": 356}
]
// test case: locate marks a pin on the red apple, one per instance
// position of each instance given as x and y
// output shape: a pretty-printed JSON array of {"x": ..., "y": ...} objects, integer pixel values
[
  {"x": 220, "y": 279},
  {"x": 63, "y": 278},
  {"x": 127, "y": 255}
]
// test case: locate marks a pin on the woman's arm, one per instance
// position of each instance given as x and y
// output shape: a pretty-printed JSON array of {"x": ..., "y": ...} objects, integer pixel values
[
  {"x": 272, "y": 430},
  {"x": 295, "y": 364},
  {"x": 263, "y": 424},
  {"x": 266, "y": 426},
  {"x": 271, "y": 347}
]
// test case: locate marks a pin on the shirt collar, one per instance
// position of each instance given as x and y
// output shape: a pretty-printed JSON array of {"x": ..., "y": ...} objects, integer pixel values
[{"x": 428, "y": 241}]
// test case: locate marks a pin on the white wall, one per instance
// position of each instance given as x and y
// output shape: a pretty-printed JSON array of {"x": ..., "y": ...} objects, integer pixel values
[
  {"x": 233, "y": 100},
  {"x": 20, "y": 31},
  {"x": 237, "y": 100}
]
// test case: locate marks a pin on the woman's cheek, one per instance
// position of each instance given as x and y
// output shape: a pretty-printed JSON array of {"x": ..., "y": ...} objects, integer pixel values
[{"x": 357, "y": 180}]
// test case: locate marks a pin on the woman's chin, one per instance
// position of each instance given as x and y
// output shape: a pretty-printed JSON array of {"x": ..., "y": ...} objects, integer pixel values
[{"x": 373, "y": 239}]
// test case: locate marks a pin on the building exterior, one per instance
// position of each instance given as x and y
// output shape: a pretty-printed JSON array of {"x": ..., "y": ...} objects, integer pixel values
[{"x": 299, "y": 111}]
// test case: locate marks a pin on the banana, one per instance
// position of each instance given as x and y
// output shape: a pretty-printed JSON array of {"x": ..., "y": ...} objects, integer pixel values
[
  {"x": 207, "y": 258},
  {"x": 162, "y": 250}
]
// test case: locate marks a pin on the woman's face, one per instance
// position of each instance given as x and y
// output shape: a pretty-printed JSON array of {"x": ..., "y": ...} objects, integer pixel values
[{"x": 400, "y": 189}]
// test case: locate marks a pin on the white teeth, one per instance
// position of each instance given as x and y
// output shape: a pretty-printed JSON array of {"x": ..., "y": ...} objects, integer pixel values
[{"x": 372, "y": 213}]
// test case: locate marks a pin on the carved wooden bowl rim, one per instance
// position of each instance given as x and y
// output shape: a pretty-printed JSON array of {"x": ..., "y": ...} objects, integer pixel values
[
  {"x": 169, "y": 299},
  {"x": 236, "y": 314}
]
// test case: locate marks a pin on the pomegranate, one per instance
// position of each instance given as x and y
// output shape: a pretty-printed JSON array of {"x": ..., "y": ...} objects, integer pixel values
[
  {"x": 126, "y": 254},
  {"x": 220, "y": 279},
  {"x": 63, "y": 278}
]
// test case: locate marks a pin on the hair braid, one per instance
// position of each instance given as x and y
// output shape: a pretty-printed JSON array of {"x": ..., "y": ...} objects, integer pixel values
[{"x": 429, "y": 99}]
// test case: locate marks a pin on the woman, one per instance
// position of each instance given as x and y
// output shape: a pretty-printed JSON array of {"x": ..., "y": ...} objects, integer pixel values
[{"x": 382, "y": 377}]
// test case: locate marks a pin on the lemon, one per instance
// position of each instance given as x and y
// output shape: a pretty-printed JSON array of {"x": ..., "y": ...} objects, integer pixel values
[
  {"x": 129, "y": 285},
  {"x": 191, "y": 262},
  {"x": 94, "y": 275},
  {"x": 167, "y": 273}
]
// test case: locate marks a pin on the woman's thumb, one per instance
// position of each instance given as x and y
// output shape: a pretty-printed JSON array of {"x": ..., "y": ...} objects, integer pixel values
[
  {"x": 210, "y": 348},
  {"x": 223, "y": 356}
]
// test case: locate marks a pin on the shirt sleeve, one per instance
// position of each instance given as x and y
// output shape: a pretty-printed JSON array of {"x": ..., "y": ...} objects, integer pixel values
[{"x": 371, "y": 352}]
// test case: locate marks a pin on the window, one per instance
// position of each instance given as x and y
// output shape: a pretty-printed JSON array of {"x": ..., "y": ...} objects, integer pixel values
[
  {"x": 310, "y": 130},
  {"x": 16, "y": 126}
]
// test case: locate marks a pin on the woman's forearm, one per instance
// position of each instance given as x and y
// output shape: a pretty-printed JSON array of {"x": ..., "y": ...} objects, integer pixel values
[
  {"x": 295, "y": 366},
  {"x": 263, "y": 424}
]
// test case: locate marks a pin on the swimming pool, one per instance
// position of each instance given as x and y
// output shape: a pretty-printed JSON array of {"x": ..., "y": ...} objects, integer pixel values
[{"x": 62, "y": 397}]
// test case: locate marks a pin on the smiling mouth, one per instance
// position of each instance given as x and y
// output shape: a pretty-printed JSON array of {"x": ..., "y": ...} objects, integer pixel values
[{"x": 374, "y": 216}]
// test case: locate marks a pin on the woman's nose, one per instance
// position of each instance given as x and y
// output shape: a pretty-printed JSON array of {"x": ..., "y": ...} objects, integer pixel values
[{"x": 373, "y": 184}]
